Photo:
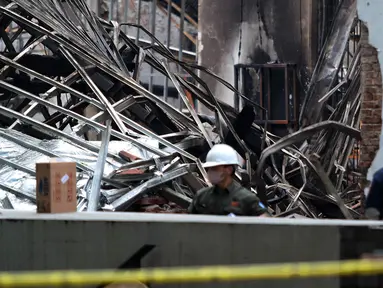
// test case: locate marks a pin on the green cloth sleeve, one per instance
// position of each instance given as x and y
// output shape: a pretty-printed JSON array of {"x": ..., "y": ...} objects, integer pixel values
[{"x": 254, "y": 207}]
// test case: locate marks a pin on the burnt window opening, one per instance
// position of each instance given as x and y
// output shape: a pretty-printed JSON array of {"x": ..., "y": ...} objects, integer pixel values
[{"x": 275, "y": 88}]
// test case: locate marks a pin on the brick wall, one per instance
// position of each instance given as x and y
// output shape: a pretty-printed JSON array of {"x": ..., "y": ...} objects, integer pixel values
[{"x": 371, "y": 106}]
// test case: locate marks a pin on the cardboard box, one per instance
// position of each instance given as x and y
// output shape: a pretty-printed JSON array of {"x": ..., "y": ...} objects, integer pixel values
[{"x": 56, "y": 187}]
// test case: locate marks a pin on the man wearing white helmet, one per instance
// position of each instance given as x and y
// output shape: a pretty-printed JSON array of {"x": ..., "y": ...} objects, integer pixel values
[{"x": 226, "y": 196}]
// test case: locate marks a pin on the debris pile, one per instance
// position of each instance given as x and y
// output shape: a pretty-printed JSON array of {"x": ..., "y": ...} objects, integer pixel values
[{"x": 153, "y": 160}]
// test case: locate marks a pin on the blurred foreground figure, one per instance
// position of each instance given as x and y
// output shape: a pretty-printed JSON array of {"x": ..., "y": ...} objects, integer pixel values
[{"x": 374, "y": 198}]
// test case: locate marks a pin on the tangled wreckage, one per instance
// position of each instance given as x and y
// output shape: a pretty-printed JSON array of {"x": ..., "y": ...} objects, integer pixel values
[{"x": 150, "y": 154}]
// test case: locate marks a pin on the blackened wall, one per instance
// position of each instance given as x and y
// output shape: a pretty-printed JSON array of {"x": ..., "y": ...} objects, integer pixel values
[{"x": 255, "y": 32}]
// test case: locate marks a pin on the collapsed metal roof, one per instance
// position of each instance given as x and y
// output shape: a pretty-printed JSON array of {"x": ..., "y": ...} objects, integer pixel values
[{"x": 154, "y": 157}]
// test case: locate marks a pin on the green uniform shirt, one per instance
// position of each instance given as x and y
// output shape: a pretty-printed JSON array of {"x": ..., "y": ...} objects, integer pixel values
[{"x": 235, "y": 199}]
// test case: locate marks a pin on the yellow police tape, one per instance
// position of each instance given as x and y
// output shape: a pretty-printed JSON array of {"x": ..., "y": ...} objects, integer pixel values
[{"x": 196, "y": 274}]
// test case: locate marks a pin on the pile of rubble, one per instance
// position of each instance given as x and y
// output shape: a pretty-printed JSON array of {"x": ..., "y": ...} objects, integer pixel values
[{"x": 150, "y": 154}]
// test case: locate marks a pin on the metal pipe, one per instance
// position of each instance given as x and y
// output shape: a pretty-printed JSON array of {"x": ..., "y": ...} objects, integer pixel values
[
  {"x": 118, "y": 11},
  {"x": 187, "y": 103},
  {"x": 171, "y": 48},
  {"x": 139, "y": 61},
  {"x": 145, "y": 163},
  {"x": 329, "y": 187},
  {"x": 5, "y": 203},
  {"x": 111, "y": 10},
  {"x": 182, "y": 18},
  {"x": 95, "y": 89},
  {"x": 116, "y": 34},
  {"x": 26, "y": 50},
  {"x": 80, "y": 118},
  {"x": 138, "y": 21},
  {"x": 88, "y": 121},
  {"x": 106, "y": 68},
  {"x": 17, "y": 192},
  {"x": 94, "y": 197},
  {"x": 74, "y": 140},
  {"x": 332, "y": 91},
  {"x": 29, "y": 110},
  {"x": 153, "y": 30},
  {"x": 126, "y": 200},
  {"x": 126, "y": 14},
  {"x": 165, "y": 142},
  {"x": 17, "y": 166},
  {"x": 95, "y": 6},
  {"x": 119, "y": 106},
  {"x": 21, "y": 142},
  {"x": 69, "y": 80},
  {"x": 168, "y": 33}
]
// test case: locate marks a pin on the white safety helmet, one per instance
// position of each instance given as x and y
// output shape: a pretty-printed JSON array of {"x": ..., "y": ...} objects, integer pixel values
[{"x": 221, "y": 154}]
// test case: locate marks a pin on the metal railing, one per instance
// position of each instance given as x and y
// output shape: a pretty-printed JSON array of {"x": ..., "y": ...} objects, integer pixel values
[{"x": 168, "y": 21}]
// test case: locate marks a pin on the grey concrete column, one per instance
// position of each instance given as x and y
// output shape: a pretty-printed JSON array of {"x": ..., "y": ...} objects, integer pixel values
[
  {"x": 254, "y": 32},
  {"x": 94, "y": 5},
  {"x": 309, "y": 24}
]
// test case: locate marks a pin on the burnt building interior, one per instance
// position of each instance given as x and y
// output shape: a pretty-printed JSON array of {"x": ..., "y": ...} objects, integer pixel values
[
  {"x": 282, "y": 73},
  {"x": 136, "y": 92},
  {"x": 280, "y": 82}
]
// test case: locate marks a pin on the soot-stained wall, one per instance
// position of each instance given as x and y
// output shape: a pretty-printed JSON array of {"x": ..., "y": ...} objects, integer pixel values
[{"x": 255, "y": 32}]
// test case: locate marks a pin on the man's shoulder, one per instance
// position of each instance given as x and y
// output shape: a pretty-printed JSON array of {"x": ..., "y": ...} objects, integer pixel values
[
  {"x": 378, "y": 175},
  {"x": 245, "y": 195},
  {"x": 204, "y": 190},
  {"x": 241, "y": 191},
  {"x": 250, "y": 202}
]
